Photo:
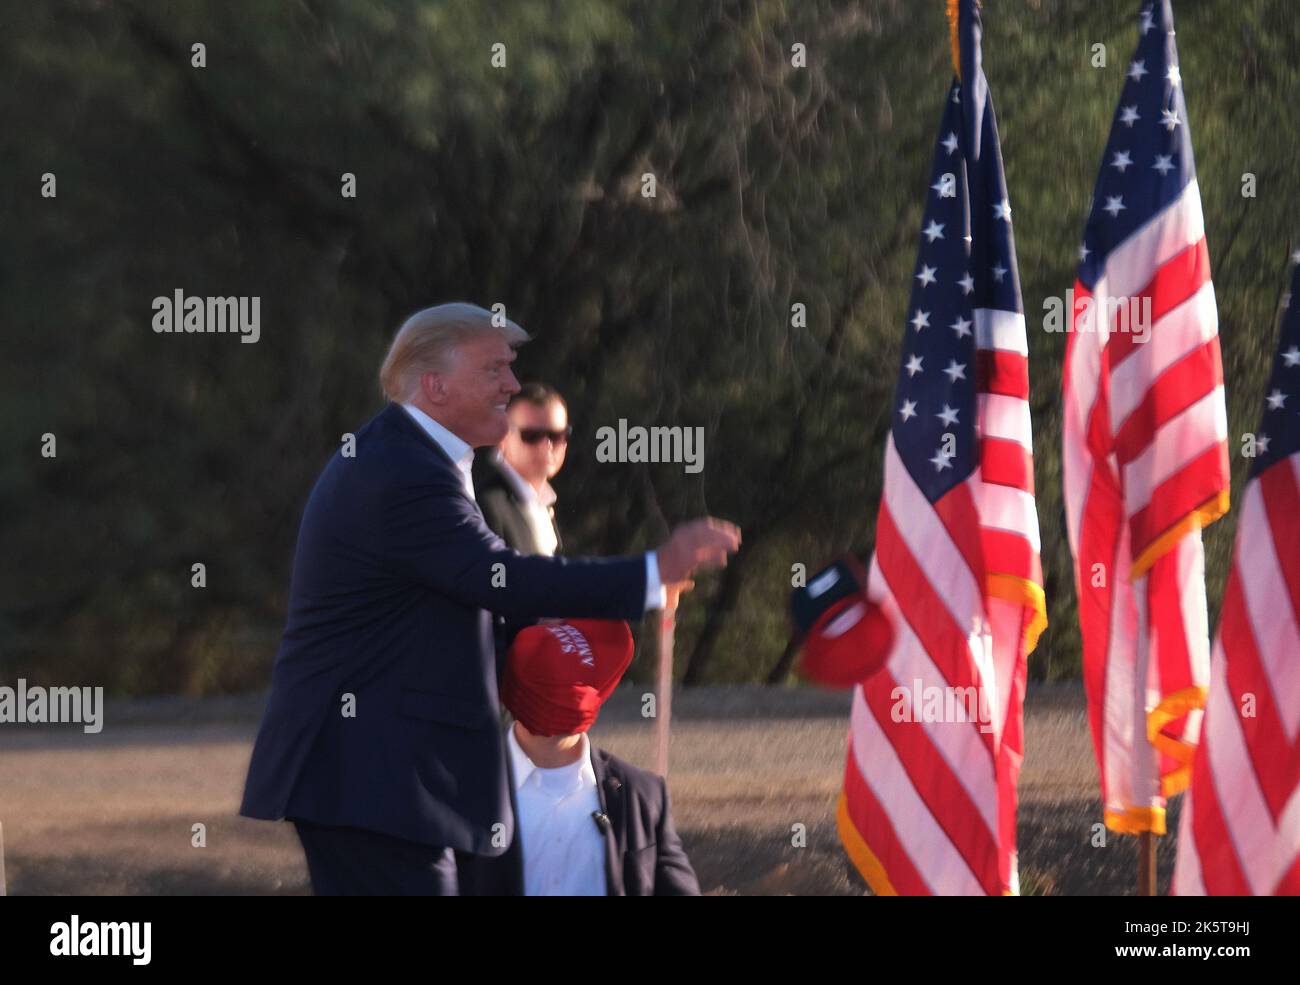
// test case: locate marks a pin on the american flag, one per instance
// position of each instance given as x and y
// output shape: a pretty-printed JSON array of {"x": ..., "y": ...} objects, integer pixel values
[
  {"x": 929, "y": 801},
  {"x": 1240, "y": 828},
  {"x": 1145, "y": 454}
]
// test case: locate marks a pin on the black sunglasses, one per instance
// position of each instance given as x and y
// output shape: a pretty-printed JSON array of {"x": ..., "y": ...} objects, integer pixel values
[{"x": 535, "y": 436}]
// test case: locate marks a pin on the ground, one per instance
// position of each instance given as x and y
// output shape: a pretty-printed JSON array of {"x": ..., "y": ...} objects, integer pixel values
[{"x": 113, "y": 813}]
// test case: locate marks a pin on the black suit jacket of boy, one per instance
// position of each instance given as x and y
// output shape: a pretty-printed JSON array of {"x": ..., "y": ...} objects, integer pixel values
[{"x": 643, "y": 852}]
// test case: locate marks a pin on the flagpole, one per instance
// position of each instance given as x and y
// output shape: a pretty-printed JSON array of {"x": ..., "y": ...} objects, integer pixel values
[
  {"x": 664, "y": 683},
  {"x": 1146, "y": 864}
]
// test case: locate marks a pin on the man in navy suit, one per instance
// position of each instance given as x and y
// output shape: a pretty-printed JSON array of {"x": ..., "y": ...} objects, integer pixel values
[{"x": 381, "y": 736}]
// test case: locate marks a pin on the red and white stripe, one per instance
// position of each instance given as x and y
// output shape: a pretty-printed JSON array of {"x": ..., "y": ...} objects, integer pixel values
[
  {"x": 929, "y": 807},
  {"x": 1240, "y": 828},
  {"x": 1145, "y": 466}
]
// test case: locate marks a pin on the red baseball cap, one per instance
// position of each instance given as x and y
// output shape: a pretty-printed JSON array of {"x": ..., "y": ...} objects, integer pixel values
[
  {"x": 848, "y": 643},
  {"x": 558, "y": 675}
]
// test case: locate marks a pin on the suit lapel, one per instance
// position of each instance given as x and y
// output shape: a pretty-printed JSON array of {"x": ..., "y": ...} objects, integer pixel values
[
  {"x": 610, "y": 791},
  {"x": 521, "y": 530},
  {"x": 514, "y": 855}
]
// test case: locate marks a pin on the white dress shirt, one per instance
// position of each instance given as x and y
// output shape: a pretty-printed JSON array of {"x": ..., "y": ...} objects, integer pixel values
[
  {"x": 539, "y": 507},
  {"x": 563, "y": 849},
  {"x": 462, "y": 453}
]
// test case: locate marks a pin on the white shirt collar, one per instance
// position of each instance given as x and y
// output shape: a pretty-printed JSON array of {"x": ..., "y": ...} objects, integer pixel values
[
  {"x": 457, "y": 450},
  {"x": 577, "y": 774}
]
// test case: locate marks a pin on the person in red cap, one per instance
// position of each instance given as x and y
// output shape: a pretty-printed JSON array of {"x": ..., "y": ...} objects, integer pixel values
[{"x": 586, "y": 823}]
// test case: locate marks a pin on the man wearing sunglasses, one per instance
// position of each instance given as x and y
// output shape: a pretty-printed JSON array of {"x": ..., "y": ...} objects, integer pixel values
[{"x": 512, "y": 483}]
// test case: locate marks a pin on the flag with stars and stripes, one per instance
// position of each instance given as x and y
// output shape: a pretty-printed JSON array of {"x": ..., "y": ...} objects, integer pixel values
[
  {"x": 1239, "y": 833},
  {"x": 1145, "y": 456},
  {"x": 936, "y": 737}
]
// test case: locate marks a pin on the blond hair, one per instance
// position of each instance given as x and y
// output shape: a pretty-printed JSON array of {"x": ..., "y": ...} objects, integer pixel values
[{"x": 425, "y": 340}]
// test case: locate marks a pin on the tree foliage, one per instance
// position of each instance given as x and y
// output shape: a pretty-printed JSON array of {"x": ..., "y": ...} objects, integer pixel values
[{"x": 775, "y": 185}]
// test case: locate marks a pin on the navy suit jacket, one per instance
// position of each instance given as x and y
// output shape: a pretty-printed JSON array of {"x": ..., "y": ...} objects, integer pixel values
[
  {"x": 643, "y": 852},
  {"x": 394, "y": 579}
]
